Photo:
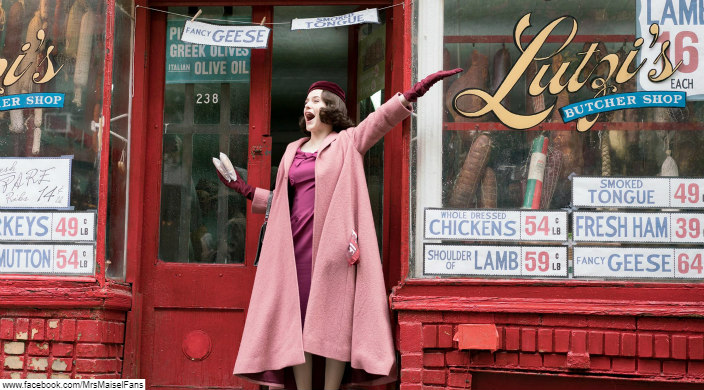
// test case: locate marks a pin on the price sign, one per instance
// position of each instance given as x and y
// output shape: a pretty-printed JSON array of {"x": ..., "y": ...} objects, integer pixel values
[
  {"x": 687, "y": 193},
  {"x": 495, "y": 225},
  {"x": 478, "y": 260},
  {"x": 679, "y": 22},
  {"x": 41, "y": 226},
  {"x": 689, "y": 263},
  {"x": 624, "y": 262},
  {"x": 47, "y": 259},
  {"x": 35, "y": 183},
  {"x": 687, "y": 228},
  {"x": 544, "y": 261}
]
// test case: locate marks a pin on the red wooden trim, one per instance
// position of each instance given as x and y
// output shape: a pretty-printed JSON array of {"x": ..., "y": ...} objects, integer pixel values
[
  {"x": 137, "y": 155},
  {"x": 406, "y": 36},
  {"x": 528, "y": 38},
  {"x": 105, "y": 143},
  {"x": 44, "y": 281},
  {"x": 550, "y": 296},
  {"x": 571, "y": 126},
  {"x": 66, "y": 295},
  {"x": 259, "y": 166}
]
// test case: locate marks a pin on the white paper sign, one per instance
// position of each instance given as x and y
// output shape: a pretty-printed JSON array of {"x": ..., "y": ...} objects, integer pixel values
[
  {"x": 366, "y": 16},
  {"x": 475, "y": 260},
  {"x": 35, "y": 183},
  {"x": 680, "y": 23},
  {"x": 638, "y": 227},
  {"x": 638, "y": 192},
  {"x": 619, "y": 262},
  {"x": 47, "y": 259},
  {"x": 495, "y": 225},
  {"x": 232, "y": 36},
  {"x": 33, "y": 226}
]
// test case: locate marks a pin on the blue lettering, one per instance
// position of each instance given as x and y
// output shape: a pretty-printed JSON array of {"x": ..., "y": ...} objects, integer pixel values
[
  {"x": 668, "y": 13},
  {"x": 688, "y": 14}
]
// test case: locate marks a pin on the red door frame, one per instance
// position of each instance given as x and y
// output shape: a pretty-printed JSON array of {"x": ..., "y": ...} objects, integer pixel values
[{"x": 148, "y": 76}]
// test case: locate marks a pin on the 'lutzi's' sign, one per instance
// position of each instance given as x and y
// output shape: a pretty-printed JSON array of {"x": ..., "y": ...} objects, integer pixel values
[{"x": 618, "y": 72}]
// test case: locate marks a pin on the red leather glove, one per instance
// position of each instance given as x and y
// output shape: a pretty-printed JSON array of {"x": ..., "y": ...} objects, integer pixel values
[
  {"x": 238, "y": 185},
  {"x": 424, "y": 85}
]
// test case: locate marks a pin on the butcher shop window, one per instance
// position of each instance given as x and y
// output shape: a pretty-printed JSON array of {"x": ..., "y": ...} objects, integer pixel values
[
  {"x": 469, "y": 164},
  {"x": 50, "y": 120}
]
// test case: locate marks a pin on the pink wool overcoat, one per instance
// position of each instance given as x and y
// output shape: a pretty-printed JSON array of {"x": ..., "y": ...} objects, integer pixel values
[{"x": 348, "y": 316}]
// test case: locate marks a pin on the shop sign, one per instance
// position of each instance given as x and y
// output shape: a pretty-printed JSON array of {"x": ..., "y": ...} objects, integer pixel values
[
  {"x": 365, "y": 16},
  {"x": 253, "y": 37},
  {"x": 589, "y": 226},
  {"x": 681, "y": 25},
  {"x": 621, "y": 263},
  {"x": 495, "y": 225},
  {"x": 33, "y": 226},
  {"x": 35, "y": 183},
  {"x": 198, "y": 63},
  {"x": 37, "y": 259},
  {"x": 475, "y": 260},
  {"x": 638, "y": 192},
  {"x": 618, "y": 71}
]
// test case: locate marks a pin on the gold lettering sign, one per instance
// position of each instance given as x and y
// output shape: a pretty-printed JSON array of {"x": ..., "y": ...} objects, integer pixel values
[
  {"x": 12, "y": 75},
  {"x": 618, "y": 73}
]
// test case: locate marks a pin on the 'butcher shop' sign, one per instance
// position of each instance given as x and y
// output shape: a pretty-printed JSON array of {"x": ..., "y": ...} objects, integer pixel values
[{"x": 617, "y": 71}]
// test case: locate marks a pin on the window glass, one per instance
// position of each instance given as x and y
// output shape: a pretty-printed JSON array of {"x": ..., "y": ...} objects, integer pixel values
[
  {"x": 53, "y": 73},
  {"x": 205, "y": 113},
  {"x": 119, "y": 140},
  {"x": 484, "y": 159}
]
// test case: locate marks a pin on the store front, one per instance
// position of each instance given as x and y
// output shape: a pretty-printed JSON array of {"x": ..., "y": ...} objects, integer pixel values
[
  {"x": 534, "y": 258},
  {"x": 158, "y": 285},
  {"x": 522, "y": 246}
]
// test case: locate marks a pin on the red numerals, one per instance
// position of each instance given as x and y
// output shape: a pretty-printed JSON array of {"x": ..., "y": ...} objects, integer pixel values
[
  {"x": 685, "y": 264},
  {"x": 687, "y": 193},
  {"x": 688, "y": 228},
  {"x": 69, "y": 228},
  {"x": 62, "y": 260},
  {"x": 533, "y": 227},
  {"x": 539, "y": 260}
]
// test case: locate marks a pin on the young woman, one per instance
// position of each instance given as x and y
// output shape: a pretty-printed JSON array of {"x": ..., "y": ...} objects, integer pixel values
[{"x": 319, "y": 289}]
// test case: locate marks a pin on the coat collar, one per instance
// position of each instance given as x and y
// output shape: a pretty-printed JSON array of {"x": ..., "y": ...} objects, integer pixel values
[{"x": 291, "y": 151}]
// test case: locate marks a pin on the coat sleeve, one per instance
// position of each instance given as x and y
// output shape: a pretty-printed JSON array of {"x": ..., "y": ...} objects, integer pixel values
[
  {"x": 259, "y": 201},
  {"x": 378, "y": 123}
]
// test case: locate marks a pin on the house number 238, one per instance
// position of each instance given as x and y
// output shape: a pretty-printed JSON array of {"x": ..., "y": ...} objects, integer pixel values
[{"x": 207, "y": 98}]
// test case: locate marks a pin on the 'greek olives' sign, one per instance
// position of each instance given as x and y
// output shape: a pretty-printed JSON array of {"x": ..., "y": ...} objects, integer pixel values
[
  {"x": 475, "y": 260},
  {"x": 201, "y": 63}
]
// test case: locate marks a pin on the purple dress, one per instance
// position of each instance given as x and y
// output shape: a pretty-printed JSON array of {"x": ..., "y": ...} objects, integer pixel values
[{"x": 301, "y": 178}]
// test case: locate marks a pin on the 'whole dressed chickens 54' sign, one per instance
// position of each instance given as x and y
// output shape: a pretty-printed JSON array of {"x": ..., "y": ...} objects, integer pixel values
[{"x": 619, "y": 71}]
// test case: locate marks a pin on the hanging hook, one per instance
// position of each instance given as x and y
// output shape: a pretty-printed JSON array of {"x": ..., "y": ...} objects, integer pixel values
[{"x": 262, "y": 22}]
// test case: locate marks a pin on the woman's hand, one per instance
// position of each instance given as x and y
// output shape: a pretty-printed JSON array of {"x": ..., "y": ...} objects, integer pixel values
[
  {"x": 236, "y": 183},
  {"x": 424, "y": 85}
]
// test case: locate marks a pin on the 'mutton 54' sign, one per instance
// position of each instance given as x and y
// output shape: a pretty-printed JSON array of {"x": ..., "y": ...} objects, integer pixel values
[{"x": 618, "y": 72}]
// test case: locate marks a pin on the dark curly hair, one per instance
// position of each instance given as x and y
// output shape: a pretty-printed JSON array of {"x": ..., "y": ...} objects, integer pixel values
[{"x": 334, "y": 113}]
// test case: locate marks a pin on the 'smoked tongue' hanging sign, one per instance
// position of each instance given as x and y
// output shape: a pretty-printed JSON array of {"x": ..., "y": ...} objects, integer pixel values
[
  {"x": 255, "y": 37},
  {"x": 366, "y": 16}
]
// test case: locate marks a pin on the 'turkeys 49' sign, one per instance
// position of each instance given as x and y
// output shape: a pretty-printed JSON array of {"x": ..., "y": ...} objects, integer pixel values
[{"x": 617, "y": 72}]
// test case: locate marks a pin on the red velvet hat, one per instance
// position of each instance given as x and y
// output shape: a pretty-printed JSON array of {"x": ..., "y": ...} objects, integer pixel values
[{"x": 328, "y": 86}]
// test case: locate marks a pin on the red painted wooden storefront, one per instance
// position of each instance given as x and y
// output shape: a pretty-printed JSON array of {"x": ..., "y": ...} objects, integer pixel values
[{"x": 178, "y": 323}]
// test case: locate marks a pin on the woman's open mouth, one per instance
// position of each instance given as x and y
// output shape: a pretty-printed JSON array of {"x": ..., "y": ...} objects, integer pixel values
[{"x": 309, "y": 116}]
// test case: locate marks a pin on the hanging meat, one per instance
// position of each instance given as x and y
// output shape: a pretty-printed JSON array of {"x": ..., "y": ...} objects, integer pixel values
[
  {"x": 83, "y": 57},
  {"x": 487, "y": 190},
  {"x": 476, "y": 76},
  {"x": 502, "y": 65},
  {"x": 465, "y": 189}
]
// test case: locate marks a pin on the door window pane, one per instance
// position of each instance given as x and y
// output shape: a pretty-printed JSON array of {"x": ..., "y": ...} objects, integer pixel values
[{"x": 204, "y": 114}]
